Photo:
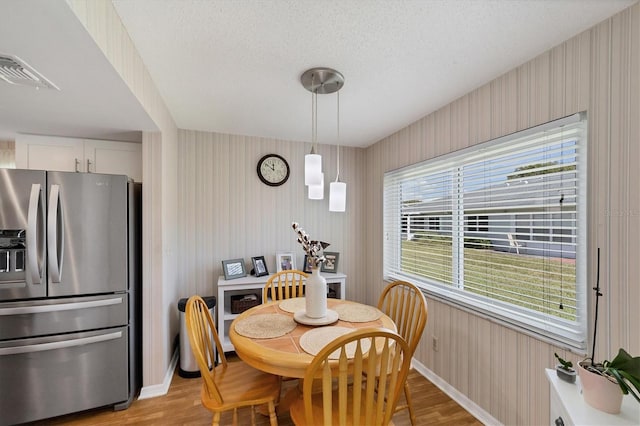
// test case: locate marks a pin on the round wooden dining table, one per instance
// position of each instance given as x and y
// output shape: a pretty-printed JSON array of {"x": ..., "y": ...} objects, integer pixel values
[{"x": 284, "y": 356}]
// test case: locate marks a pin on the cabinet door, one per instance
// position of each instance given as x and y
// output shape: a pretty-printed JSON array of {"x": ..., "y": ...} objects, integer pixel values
[
  {"x": 120, "y": 158},
  {"x": 49, "y": 153}
]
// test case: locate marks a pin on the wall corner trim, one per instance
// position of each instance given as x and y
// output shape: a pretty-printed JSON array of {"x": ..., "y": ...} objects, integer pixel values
[{"x": 162, "y": 388}]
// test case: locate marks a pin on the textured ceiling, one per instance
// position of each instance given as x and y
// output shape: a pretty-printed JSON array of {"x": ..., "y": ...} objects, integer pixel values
[{"x": 234, "y": 66}]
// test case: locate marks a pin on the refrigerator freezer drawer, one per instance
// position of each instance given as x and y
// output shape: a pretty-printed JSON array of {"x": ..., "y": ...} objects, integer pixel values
[
  {"x": 56, "y": 375},
  {"x": 64, "y": 315}
]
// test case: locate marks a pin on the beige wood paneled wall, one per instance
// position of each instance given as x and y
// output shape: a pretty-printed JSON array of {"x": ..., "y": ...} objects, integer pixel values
[
  {"x": 226, "y": 212},
  {"x": 598, "y": 71}
]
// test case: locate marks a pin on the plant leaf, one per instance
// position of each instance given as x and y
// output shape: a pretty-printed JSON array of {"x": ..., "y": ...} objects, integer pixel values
[
  {"x": 623, "y": 386},
  {"x": 632, "y": 381},
  {"x": 625, "y": 362}
]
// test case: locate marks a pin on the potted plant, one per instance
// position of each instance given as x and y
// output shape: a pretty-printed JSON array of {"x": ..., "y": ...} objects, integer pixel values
[
  {"x": 564, "y": 370},
  {"x": 605, "y": 383}
]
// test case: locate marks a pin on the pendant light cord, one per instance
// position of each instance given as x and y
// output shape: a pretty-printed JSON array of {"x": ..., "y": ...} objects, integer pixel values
[
  {"x": 338, "y": 156},
  {"x": 314, "y": 117}
]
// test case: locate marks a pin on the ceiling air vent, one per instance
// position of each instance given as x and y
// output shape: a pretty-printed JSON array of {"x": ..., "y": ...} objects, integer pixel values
[{"x": 14, "y": 70}]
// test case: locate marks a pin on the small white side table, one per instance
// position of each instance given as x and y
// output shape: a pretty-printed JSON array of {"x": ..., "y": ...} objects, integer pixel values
[
  {"x": 567, "y": 406},
  {"x": 251, "y": 284}
]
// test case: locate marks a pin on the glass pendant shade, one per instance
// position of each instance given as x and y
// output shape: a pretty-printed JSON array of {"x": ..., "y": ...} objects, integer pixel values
[
  {"x": 313, "y": 169},
  {"x": 316, "y": 192},
  {"x": 337, "y": 196}
]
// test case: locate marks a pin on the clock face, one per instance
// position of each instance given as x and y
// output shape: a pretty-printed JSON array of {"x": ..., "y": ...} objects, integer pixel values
[{"x": 273, "y": 170}]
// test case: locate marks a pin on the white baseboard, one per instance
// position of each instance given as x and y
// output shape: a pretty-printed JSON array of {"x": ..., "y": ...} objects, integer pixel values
[
  {"x": 161, "y": 389},
  {"x": 474, "y": 409}
]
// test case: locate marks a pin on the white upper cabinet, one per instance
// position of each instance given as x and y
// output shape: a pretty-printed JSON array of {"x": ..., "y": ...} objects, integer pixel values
[
  {"x": 120, "y": 158},
  {"x": 49, "y": 153},
  {"x": 79, "y": 155}
]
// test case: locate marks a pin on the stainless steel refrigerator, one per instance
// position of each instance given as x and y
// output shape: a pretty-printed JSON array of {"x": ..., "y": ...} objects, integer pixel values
[{"x": 69, "y": 293}]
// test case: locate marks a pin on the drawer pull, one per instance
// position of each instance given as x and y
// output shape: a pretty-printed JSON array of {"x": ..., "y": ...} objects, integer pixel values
[{"x": 14, "y": 350}]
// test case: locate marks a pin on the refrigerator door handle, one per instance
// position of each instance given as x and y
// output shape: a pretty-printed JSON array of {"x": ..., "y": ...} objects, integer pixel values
[
  {"x": 13, "y": 350},
  {"x": 32, "y": 231},
  {"x": 55, "y": 233},
  {"x": 23, "y": 310}
]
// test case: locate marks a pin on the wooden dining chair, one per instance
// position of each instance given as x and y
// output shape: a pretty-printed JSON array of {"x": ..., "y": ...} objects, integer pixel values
[
  {"x": 343, "y": 396},
  {"x": 405, "y": 304},
  {"x": 284, "y": 285},
  {"x": 229, "y": 385}
]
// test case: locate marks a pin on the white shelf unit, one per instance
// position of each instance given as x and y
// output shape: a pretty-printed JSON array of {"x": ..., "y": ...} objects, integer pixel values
[
  {"x": 568, "y": 407},
  {"x": 245, "y": 285}
]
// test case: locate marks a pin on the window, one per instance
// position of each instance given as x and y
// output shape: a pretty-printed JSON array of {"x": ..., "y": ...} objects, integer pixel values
[
  {"x": 477, "y": 223},
  {"x": 498, "y": 228}
]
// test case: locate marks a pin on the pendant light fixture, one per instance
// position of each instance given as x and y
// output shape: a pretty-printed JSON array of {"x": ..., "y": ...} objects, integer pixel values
[
  {"x": 319, "y": 80},
  {"x": 337, "y": 189},
  {"x": 316, "y": 192}
]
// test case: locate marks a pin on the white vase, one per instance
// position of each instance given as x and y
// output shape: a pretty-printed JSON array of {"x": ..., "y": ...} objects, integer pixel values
[{"x": 316, "y": 295}]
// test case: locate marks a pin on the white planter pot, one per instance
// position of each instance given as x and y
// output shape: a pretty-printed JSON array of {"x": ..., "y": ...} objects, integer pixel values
[{"x": 600, "y": 392}]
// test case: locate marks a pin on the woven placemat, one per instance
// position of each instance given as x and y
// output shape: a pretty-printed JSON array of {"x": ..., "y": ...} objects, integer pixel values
[
  {"x": 351, "y": 312},
  {"x": 314, "y": 340},
  {"x": 293, "y": 305},
  {"x": 265, "y": 326}
]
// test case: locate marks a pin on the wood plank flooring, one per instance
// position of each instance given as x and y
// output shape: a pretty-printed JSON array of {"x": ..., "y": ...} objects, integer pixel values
[{"x": 181, "y": 406}]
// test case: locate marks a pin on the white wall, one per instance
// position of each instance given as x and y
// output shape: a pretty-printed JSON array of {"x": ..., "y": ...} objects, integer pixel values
[{"x": 7, "y": 154}]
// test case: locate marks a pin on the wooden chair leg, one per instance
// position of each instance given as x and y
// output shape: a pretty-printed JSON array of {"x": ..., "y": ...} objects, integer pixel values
[
  {"x": 407, "y": 396},
  {"x": 216, "y": 419},
  {"x": 253, "y": 415},
  {"x": 273, "y": 420}
]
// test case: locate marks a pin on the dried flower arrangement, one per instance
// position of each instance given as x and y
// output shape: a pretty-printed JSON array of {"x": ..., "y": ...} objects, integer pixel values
[{"x": 311, "y": 247}]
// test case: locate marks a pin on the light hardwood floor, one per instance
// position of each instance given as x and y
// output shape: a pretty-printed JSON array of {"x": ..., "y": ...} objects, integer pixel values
[{"x": 181, "y": 406}]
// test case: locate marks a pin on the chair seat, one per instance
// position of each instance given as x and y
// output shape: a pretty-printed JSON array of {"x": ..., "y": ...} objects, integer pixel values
[{"x": 241, "y": 385}]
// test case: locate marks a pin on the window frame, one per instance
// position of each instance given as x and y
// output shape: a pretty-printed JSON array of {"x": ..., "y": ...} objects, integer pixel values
[{"x": 571, "y": 334}]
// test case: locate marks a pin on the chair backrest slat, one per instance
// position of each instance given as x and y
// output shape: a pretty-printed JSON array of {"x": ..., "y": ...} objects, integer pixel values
[{"x": 284, "y": 285}]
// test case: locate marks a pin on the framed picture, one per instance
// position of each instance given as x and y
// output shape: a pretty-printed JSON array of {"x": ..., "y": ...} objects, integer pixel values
[
  {"x": 233, "y": 268},
  {"x": 259, "y": 266},
  {"x": 285, "y": 261},
  {"x": 308, "y": 263},
  {"x": 331, "y": 262}
]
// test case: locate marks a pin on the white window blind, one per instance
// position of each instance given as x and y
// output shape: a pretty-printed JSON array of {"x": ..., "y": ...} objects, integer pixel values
[{"x": 499, "y": 228}]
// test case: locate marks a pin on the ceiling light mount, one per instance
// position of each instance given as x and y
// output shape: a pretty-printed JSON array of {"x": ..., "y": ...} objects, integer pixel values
[{"x": 322, "y": 80}]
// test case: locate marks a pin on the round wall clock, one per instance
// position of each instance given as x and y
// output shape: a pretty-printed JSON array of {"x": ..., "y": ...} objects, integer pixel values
[{"x": 273, "y": 170}]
